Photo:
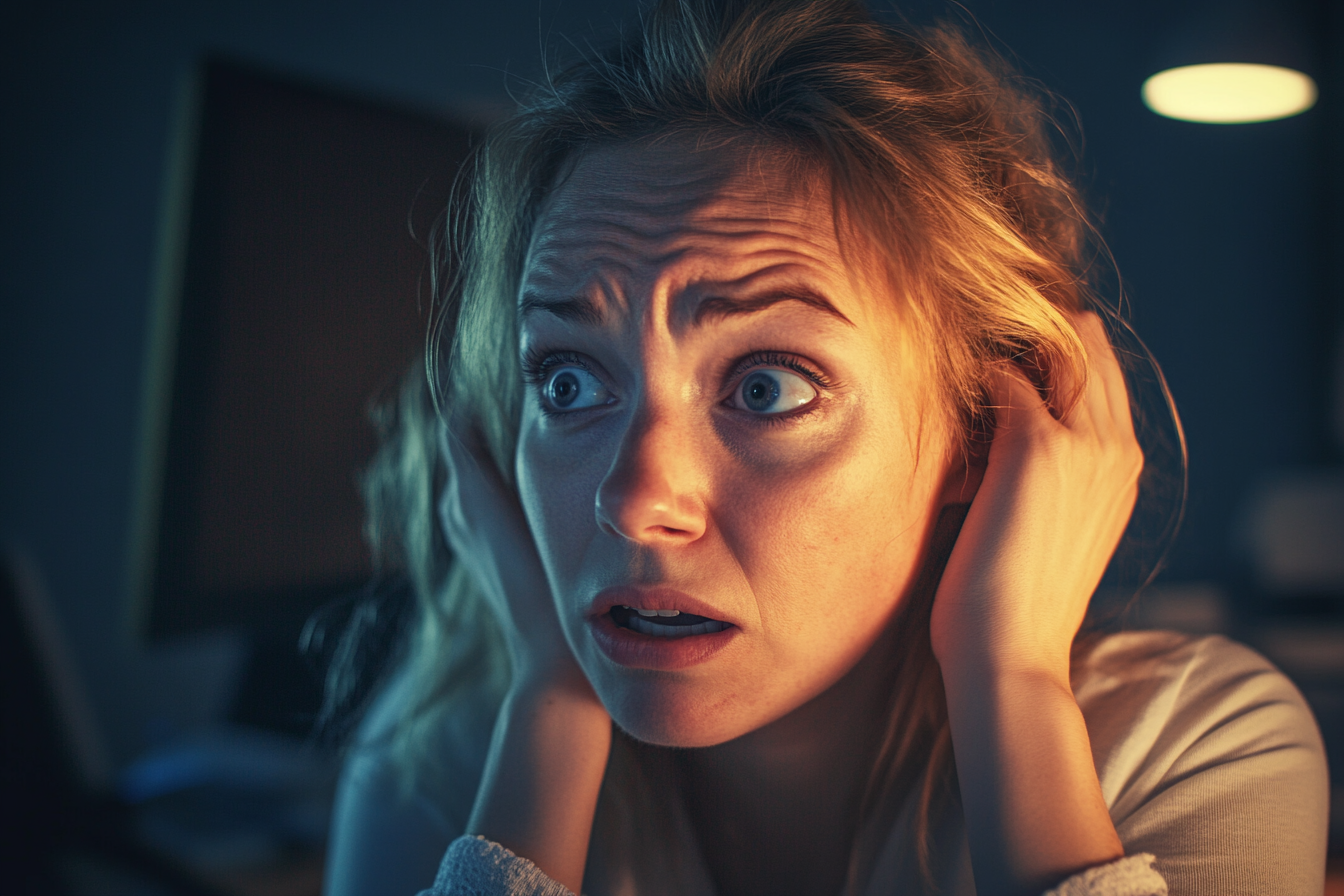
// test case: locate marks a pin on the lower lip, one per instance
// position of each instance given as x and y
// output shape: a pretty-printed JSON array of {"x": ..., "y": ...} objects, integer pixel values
[{"x": 637, "y": 650}]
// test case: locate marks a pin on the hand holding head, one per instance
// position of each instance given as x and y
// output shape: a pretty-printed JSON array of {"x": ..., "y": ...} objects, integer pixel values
[
  {"x": 488, "y": 535},
  {"x": 1056, "y": 496}
]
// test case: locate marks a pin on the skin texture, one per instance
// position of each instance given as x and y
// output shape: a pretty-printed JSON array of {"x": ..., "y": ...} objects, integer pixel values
[
  {"x": 647, "y": 280},
  {"x": 666, "y": 483}
]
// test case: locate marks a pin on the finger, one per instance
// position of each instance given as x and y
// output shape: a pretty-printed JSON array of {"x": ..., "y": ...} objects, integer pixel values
[
  {"x": 1108, "y": 373},
  {"x": 1104, "y": 403},
  {"x": 1016, "y": 400}
]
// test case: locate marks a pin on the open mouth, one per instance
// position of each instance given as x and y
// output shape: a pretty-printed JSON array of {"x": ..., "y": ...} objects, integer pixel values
[
  {"x": 661, "y": 639},
  {"x": 665, "y": 623}
]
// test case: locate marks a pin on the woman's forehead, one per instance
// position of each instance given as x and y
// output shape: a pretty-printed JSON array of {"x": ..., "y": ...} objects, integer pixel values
[{"x": 636, "y": 212}]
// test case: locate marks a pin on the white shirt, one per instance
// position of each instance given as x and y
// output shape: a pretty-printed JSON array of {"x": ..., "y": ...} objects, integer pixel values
[{"x": 1208, "y": 758}]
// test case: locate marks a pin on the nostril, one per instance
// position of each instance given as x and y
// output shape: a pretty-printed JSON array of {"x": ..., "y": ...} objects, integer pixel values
[{"x": 647, "y": 521}]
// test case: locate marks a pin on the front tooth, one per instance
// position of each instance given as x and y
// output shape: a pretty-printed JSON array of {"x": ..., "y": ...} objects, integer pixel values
[
  {"x": 647, "y": 612},
  {"x": 669, "y": 612}
]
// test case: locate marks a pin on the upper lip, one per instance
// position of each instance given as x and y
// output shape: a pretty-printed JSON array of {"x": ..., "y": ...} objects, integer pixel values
[{"x": 653, "y": 597}]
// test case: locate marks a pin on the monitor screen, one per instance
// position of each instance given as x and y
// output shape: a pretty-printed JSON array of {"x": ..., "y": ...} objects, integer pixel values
[{"x": 294, "y": 291}]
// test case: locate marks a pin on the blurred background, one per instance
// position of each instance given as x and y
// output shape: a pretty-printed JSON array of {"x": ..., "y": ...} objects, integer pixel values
[{"x": 213, "y": 222}]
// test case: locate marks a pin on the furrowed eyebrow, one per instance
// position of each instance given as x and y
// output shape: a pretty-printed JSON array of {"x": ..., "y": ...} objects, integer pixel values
[
  {"x": 576, "y": 308},
  {"x": 581, "y": 309},
  {"x": 717, "y": 307}
]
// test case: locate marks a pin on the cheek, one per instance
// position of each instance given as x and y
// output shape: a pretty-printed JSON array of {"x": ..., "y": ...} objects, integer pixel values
[{"x": 835, "y": 524}]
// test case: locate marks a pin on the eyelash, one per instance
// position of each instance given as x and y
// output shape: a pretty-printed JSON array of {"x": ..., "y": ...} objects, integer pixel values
[
  {"x": 777, "y": 359},
  {"x": 788, "y": 362},
  {"x": 537, "y": 364}
]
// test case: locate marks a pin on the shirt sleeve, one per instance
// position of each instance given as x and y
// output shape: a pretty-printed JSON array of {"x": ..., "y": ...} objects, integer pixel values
[{"x": 1210, "y": 760}]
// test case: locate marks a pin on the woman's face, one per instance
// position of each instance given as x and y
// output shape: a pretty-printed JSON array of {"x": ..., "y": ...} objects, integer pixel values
[{"x": 725, "y": 420}]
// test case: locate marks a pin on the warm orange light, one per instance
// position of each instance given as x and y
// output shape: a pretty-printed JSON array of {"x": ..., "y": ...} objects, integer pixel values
[{"x": 1229, "y": 93}]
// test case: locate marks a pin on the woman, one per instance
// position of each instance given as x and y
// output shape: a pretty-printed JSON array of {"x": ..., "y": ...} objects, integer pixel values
[{"x": 783, "y": 453}]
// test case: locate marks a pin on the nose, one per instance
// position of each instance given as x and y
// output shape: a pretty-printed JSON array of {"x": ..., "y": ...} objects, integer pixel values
[{"x": 651, "y": 493}]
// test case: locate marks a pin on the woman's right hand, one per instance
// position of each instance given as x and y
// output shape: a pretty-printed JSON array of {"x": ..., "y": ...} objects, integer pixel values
[
  {"x": 548, "y": 753},
  {"x": 489, "y": 536}
]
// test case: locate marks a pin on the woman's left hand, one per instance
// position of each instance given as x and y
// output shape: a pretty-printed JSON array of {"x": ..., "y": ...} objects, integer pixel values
[{"x": 1055, "y": 500}]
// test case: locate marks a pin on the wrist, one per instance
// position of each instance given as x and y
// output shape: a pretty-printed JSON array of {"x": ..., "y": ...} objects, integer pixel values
[
  {"x": 543, "y": 776},
  {"x": 1003, "y": 664},
  {"x": 984, "y": 645},
  {"x": 1034, "y": 808},
  {"x": 1004, "y": 674}
]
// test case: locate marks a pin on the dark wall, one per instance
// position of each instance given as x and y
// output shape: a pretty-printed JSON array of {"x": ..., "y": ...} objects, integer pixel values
[{"x": 1217, "y": 231}]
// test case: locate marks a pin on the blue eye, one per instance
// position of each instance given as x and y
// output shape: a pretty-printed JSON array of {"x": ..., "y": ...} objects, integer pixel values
[
  {"x": 772, "y": 391},
  {"x": 572, "y": 389}
]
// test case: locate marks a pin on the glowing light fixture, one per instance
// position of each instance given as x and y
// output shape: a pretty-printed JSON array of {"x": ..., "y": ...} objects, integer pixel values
[{"x": 1229, "y": 92}]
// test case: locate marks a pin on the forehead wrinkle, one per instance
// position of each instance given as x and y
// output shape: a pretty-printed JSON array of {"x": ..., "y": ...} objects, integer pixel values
[
  {"x": 686, "y": 276},
  {"x": 680, "y": 190},
  {"x": 676, "y": 179},
  {"x": 661, "y": 227},
  {"x": 676, "y": 195},
  {"x": 553, "y": 275},
  {"x": 715, "y": 294},
  {"x": 578, "y": 249}
]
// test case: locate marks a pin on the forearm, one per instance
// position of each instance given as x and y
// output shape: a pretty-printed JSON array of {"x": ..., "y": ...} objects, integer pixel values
[
  {"x": 541, "y": 781},
  {"x": 1034, "y": 808}
]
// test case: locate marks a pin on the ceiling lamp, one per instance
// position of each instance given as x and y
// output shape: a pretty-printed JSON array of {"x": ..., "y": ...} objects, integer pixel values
[
  {"x": 1237, "y": 61},
  {"x": 1229, "y": 92}
]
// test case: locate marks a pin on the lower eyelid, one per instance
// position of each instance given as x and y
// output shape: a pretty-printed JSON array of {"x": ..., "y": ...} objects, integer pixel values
[{"x": 796, "y": 417}]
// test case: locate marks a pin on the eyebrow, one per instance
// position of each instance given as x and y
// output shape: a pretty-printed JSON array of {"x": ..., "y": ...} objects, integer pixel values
[
  {"x": 581, "y": 309},
  {"x": 718, "y": 307}
]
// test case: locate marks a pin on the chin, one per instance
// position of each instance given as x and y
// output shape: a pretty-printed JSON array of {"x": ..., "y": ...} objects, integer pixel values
[{"x": 664, "y": 714}]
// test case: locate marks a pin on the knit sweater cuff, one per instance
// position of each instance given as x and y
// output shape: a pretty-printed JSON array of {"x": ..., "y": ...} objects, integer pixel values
[
  {"x": 475, "y": 866},
  {"x": 1131, "y": 876}
]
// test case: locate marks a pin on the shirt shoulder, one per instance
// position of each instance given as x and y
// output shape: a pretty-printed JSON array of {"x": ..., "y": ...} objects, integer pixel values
[
  {"x": 1209, "y": 758},
  {"x": 391, "y": 824}
]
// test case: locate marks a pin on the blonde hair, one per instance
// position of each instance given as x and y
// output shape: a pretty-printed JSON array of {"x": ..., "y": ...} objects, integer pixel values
[{"x": 939, "y": 158}]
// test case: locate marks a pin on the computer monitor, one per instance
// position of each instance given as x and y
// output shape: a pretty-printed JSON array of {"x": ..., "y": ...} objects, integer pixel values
[{"x": 293, "y": 289}]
